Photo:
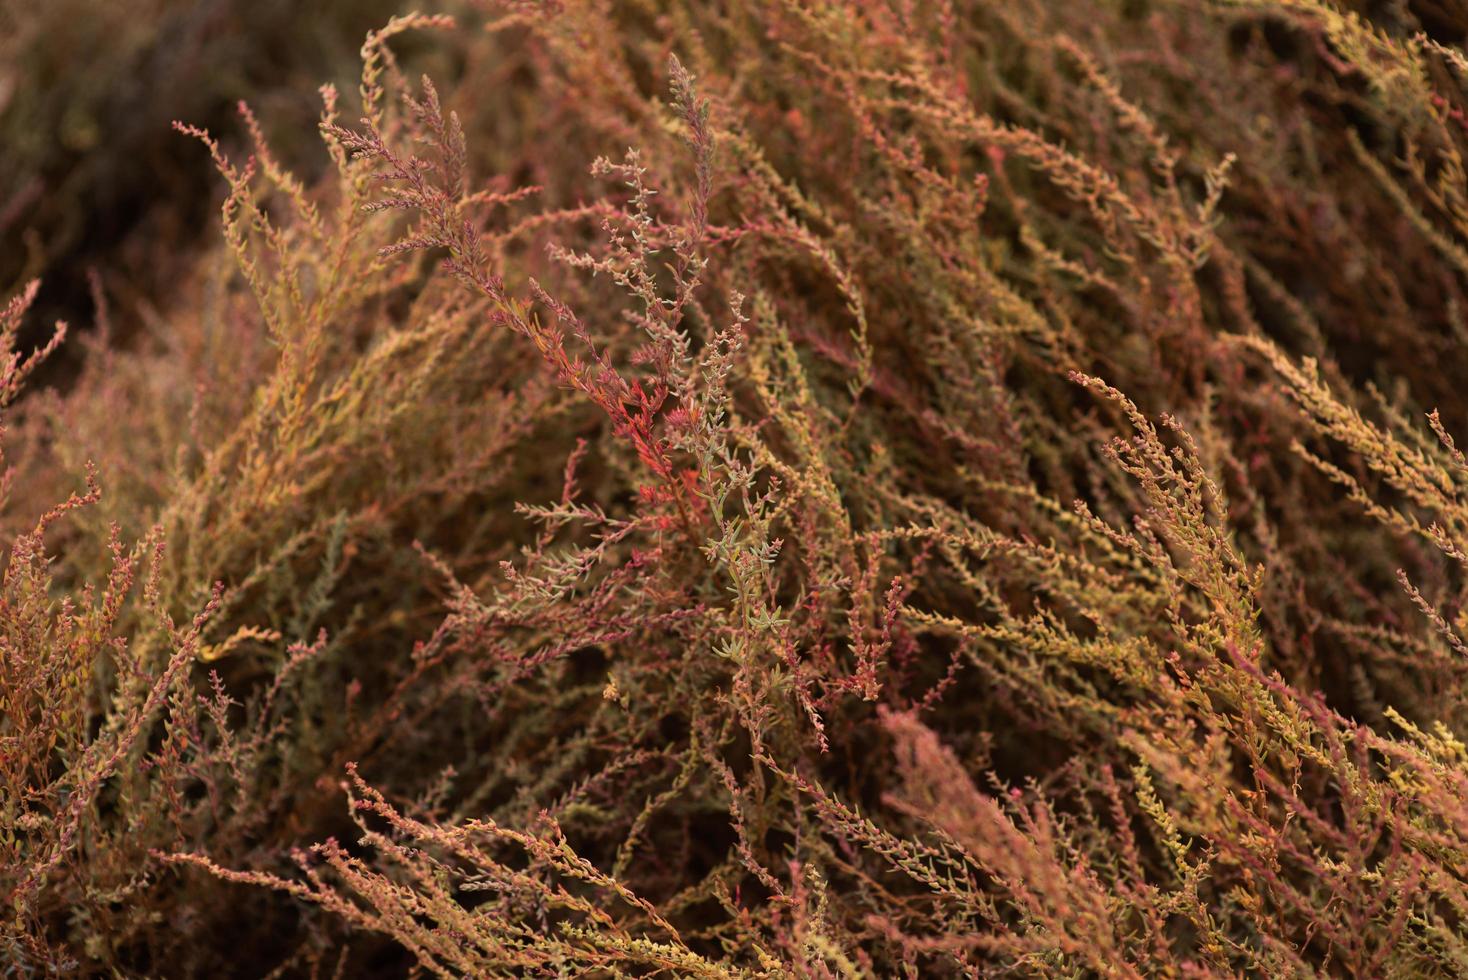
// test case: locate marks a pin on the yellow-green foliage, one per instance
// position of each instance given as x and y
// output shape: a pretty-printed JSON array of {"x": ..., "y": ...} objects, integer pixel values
[{"x": 772, "y": 489}]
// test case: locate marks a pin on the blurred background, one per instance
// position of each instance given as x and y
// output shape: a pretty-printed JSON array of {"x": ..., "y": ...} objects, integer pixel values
[{"x": 92, "y": 175}]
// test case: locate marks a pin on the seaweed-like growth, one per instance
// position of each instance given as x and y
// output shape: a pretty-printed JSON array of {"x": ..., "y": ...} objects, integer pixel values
[{"x": 772, "y": 489}]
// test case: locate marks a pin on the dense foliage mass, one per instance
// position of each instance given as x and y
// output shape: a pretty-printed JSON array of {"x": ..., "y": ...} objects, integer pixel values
[{"x": 824, "y": 489}]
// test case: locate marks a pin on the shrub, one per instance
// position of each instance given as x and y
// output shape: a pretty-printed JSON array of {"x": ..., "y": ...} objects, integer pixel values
[{"x": 950, "y": 499}]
